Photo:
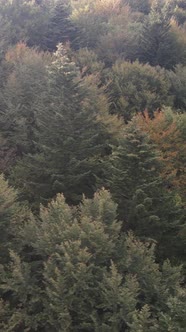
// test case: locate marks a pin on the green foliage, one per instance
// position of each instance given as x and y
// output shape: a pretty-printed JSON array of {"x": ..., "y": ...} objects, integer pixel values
[
  {"x": 140, "y": 5},
  {"x": 11, "y": 218},
  {"x": 158, "y": 46},
  {"x": 144, "y": 202},
  {"x": 22, "y": 21},
  {"x": 121, "y": 40},
  {"x": 20, "y": 99},
  {"x": 178, "y": 87},
  {"x": 180, "y": 11},
  {"x": 72, "y": 136},
  {"x": 77, "y": 268},
  {"x": 135, "y": 87},
  {"x": 7, "y": 209},
  {"x": 89, "y": 21},
  {"x": 83, "y": 276},
  {"x": 88, "y": 62},
  {"x": 60, "y": 29}
]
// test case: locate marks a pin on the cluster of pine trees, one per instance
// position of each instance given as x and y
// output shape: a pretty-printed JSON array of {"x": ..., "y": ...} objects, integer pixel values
[{"x": 92, "y": 163}]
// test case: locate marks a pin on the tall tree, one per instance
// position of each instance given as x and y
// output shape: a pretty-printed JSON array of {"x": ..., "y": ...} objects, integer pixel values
[
  {"x": 74, "y": 134},
  {"x": 157, "y": 46},
  {"x": 60, "y": 29},
  {"x": 145, "y": 204},
  {"x": 11, "y": 218},
  {"x": 20, "y": 100}
]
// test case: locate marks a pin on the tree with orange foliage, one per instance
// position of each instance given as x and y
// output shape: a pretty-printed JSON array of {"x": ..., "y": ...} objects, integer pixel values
[{"x": 167, "y": 131}]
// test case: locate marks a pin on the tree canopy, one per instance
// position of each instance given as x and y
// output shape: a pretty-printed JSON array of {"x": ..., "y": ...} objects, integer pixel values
[{"x": 92, "y": 165}]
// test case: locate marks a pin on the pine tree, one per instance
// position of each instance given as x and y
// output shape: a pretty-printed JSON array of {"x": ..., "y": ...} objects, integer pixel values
[
  {"x": 157, "y": 44},
  {"x": 140, "y": 6},
  {"x": 78, "y": 273},
  {"x": 21, "y": 97},
  {"x": 11, "y": 218},
  {"x": 144, "y": 202},
  {"x": 74, "y": 130},
  {"x": 60, "y": 28}
]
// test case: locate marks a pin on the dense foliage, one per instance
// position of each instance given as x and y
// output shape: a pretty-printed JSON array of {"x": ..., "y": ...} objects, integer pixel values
[{"x": 92, "y": 163}]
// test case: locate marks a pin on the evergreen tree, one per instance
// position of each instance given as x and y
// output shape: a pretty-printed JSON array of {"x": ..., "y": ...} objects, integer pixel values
[
  {"x": 157, "y": 46},
  {"x": 11, "y": 218},
  {"x": 20, "y": 100},
  {"x": 79, "y": 275},
  {"x": 73, "y": 133},
  {"x": 140, "y": 5},
  {"x": 60, "y": 28},
  {"x": 145, "y": 204},
  {"x": 180, "y": 11}
]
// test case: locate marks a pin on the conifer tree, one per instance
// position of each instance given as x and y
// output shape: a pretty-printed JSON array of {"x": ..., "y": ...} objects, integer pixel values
[
  {"x": 74, "y": 133},
  {"x": 145, "y": 204},
  {"x": 140, "y": 5},
  {"x": 11, "y": 218},
  {"x": 60, "y": 28},
  {"x": 157, "y": 45},
  {"x": 21, "y": 96},
  {"x": 79, "y": 274}
]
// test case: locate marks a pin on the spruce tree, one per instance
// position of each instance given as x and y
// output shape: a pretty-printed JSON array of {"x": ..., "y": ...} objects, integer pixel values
[
  {"x": 74, "y": 134},
  {"x": 11, "y": 218},
  {"x": 21, "y": 94},
  {"x": 60, "y": 28},
  {"x": 157, "y": 45},
  {"x": 78, "y": 274},
  {"x": 140, "y": 5},
  {"x": 144, "y": 202}
]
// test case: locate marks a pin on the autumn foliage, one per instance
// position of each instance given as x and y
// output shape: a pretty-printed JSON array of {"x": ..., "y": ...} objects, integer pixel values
[{"x": 167, "y": 131}]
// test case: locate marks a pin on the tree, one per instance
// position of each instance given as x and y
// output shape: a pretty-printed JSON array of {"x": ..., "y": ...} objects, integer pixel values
[
  {"x": 135, "y": 87},
  {"x": 11, "y": 218},
  {"x": 88, "y": 62},
  {"x": 74, "y": 135},
  {"x": 144, "y": 203},
  {"x": 22, "y": 21},
  {"x": 60, "y": 29},
  {"x": 180, "y": 11},
  {"x": 178, "y": 87},
  {"x": 92, "y": 19},
  {"x": 157, "y": 45},
  {"x": 140, "y": 6},
  {"x": 121, "y": 38},
  {"x": 79, "y": 274},
  {"x": 167, "y": 132},
  {"x": 21, "y": 96}
]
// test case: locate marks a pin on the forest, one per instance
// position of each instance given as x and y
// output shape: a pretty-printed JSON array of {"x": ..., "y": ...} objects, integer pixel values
[{"x": 92, "y": 165}]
